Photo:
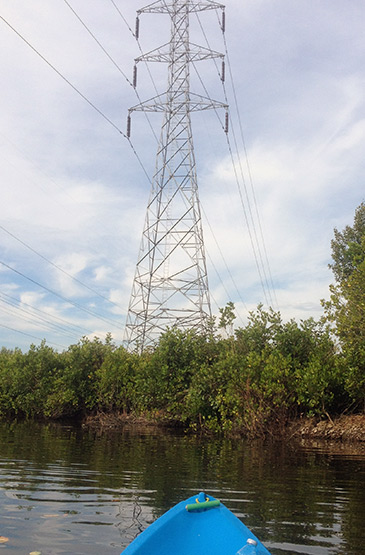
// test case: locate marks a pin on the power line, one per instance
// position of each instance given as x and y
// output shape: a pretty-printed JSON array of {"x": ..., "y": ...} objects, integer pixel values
[
  {"x": 253, "y": 236},
  {"x": 225, "y": 263},
  {"x": 30, "y": 335},
  {"x": 260, "y": 265},
  {"x": 42, "y": 323},
  {"x": 76, "y": 280},
  {"x": 247, "y": 222},
  {"x": 122, "y": 16},
  {"x": 110, "y": 57},
  {"x": 63, "y": 77},
  {"x": 249, "y": 171},
  {"x": 148, "y": 70},
  {"x": 76, "y": 305},
  {"x": 239, "y": 187},
  {"x": 258, "y": 259},
  {"x": 99, "y": 43},
  {"x": 138, "y": 42},
  {"x": 223, "y": 285},
  {"x": 8, "y": 299},
  {"x": 106, "y": 118}
]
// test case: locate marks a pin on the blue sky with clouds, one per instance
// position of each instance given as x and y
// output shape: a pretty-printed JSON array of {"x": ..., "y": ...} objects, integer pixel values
[{"x": 74, "y": 194}]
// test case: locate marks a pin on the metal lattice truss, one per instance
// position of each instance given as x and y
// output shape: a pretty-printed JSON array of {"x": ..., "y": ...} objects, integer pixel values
[
  {"x": 164, "y": 6},
  {"x": 170, "y": 287}
]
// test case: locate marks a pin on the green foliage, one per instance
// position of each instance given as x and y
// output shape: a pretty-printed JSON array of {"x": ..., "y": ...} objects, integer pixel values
[
  {"x": 260, "y": 333},
  {"x": 12, "y": 382},
  {"x": 115, "y": 381},
  {"x": 346, "y": 307},
  {"x": 165, "y": 374},
  {"x": 348, "y": 247},
  {"x": 27, "y": 379},
  {"x": 76, "y": 386},
  {"x": 263, "y": 375},
  {"x": 227, "y": 316}
]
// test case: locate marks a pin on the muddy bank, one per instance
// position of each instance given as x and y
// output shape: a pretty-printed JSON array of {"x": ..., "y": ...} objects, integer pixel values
[
  {"x": 345, "y": 429},
  {"x": 102, "y": 421}
]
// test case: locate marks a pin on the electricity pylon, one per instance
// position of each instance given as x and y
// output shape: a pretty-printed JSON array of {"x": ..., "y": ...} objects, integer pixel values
[{"x": 170, "y": 287}]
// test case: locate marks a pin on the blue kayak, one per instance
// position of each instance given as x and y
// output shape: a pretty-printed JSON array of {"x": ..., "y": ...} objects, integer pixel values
[{"x": 198, "y": 526}]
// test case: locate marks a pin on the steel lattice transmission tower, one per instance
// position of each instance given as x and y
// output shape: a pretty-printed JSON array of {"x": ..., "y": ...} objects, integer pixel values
[{"x": 170, "y": 287}]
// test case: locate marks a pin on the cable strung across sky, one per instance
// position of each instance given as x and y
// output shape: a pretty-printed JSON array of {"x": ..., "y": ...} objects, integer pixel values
[{"x": 106, "y": 118}]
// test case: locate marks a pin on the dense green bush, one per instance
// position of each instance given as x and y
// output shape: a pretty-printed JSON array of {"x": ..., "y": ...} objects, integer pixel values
[
  {"x": 27, "y": 380},
  {"x": 115, "y": 381},
  {"x": 262, "y": 375},
  {"x": 346, "y": 307}
]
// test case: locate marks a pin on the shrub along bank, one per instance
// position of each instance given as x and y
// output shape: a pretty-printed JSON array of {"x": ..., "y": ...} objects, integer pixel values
[{"x": 262, "y": 376}]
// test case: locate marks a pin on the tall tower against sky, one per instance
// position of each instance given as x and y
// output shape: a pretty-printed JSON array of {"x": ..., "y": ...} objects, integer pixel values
[{"x": 170, "y": 287}]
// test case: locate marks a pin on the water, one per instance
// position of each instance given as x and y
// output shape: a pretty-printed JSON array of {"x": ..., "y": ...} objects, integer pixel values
[{"x": 64, "y": 490}]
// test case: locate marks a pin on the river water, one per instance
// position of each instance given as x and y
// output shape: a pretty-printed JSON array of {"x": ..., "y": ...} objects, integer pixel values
[{"x": 65, "y": 490}]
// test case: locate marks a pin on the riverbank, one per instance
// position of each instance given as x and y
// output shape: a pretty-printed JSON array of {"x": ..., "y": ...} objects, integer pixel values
[
  {"x": 349, "y": 428},
  {"x": 346, "y": 428}
]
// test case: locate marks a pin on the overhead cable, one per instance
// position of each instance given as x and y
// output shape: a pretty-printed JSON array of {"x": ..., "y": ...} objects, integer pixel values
[
  {"x": 250, "y": 173},
  {"x": 30, "y": 335},
  {"x": 62, "y": 76},
  {"x": 42, "y": 315},
  {"x": 76, "y": 280},
  {"x": 122, "y": 16},
  {"x": 260, "y": 265},
  {"x": 225, "y": 263},
  {"x": 106, "y": 118},
  {"x": 76, "y": 305},
  {"x": 99, "y": 43},
  {"x": 240, "y": 192},
  {"x": 18, "y": 313}
]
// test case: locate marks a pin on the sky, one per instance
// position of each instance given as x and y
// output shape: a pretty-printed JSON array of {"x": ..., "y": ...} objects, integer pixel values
[{"x": 75, "y": 191}]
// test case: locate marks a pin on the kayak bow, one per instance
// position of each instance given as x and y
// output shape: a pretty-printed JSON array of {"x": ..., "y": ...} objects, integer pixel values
[{"x": 201, "y": 525}]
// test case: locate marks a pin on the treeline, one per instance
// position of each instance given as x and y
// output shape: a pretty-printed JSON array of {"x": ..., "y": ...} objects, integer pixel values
[
  {"x": 263, "y": 375},
  {"x": 258, "y": 376}
]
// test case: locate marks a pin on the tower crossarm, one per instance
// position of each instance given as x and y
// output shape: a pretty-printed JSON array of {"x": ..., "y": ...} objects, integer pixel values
[
  {"x": 195, "y": 54},
  {"x": 164, "y": 6},
  {"x": 195, "y": 103}
]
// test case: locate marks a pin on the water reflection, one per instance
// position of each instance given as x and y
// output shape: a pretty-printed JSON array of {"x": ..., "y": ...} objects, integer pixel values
[{"x": 66, "y": 490}]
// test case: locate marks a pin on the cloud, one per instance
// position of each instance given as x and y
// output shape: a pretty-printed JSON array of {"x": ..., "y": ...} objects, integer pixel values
[{"x": 294, "y": 185}]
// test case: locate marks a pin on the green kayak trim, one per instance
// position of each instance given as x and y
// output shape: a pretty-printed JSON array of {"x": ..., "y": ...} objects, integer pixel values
[{"x": 203, "y": 505}]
